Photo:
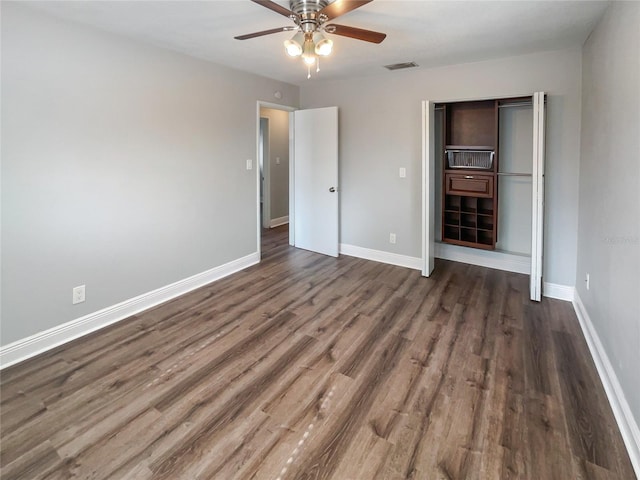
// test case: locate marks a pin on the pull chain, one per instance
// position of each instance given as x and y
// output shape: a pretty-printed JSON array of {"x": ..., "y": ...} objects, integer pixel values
[{"x": 308, "y": 71}]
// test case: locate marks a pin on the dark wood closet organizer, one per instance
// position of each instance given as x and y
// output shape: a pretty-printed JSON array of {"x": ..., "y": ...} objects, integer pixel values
[{"x": 470, "y": 172}]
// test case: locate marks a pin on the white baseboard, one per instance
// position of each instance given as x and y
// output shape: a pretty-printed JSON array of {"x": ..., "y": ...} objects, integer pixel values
[
  {"x": 509, "y": 262},
  {"x": 621, "y": 410},
  {"x": 560, "y": 292},
  {"x": 276, "y": 222},
  {"x": 25, "y": 348},
  {"x": 381, "y": 256}
]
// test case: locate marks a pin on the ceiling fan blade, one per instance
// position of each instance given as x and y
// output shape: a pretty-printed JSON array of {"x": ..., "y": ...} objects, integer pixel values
[
  {"x": 340, "y": 7},
  {"x": 275, "y": 7},
  {"x": 265, "y": 32},
  {"x": 357, "y": 33}
]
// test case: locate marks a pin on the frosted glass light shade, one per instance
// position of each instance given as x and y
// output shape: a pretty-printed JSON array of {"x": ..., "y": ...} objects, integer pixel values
[
  {"x": 293, "y": 47},
  {"x": 308, "y": 53},
  {"x": 323, "y": 44}
]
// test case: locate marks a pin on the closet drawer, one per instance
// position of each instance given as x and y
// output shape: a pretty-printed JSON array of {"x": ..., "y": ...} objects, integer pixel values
[{"x": 469, "y": 185}]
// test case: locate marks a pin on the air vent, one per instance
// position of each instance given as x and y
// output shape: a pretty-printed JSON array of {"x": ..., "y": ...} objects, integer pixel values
[{"x": 400, "y": 66}]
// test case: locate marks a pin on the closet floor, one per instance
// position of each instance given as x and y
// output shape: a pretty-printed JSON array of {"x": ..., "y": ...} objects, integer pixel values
[{"x": 307, "y": 366}]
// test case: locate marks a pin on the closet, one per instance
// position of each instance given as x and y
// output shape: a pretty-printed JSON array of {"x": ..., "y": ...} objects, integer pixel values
[
  {"x": 483, "y": 183},
  {"x": 470, "y": 155}
]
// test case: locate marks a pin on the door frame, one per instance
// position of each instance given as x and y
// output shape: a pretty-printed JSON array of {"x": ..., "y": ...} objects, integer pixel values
[
  {"x": 264, "y": 149},
  {"x": 428, "y": 186},
  {"x": 537, "y": 196},
  {"x": 275, "y": 106},
  {"x": 538, "y": 100}
]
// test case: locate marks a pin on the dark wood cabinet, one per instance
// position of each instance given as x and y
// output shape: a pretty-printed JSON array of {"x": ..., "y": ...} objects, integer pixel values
[
  {"x": 470, "y": 195},
  {"x": 469, "y": 184}
]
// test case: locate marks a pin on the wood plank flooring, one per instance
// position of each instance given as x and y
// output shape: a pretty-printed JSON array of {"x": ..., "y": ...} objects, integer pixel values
[{"x": 310, "y": 367}]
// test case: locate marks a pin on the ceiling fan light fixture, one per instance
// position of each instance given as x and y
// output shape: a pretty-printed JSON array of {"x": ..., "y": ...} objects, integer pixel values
[
  {"x": 323, "y": 45},
  {"x": 308, "y": 52},
  {"x": 293, "y": 47},
  {"x": 310, "y": 18}
]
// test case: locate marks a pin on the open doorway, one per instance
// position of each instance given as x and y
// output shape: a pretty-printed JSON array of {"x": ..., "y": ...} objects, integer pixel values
[
  {"x": 274, "y": 164},
  {"x": 310, "y": 210}
]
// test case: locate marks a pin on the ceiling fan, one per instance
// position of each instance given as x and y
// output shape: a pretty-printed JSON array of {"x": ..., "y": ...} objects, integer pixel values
[{"x": 310, "y": 18}]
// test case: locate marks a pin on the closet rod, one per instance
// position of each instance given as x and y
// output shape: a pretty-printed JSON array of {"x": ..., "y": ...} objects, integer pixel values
[
  {"x": 519, "y": 104},
  {"x": 506, "y": 174}
]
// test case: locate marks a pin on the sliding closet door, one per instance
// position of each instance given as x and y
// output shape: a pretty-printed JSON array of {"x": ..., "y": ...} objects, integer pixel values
[
  {"x": 537, "y": 199},
  {"x": 428, "y": 187}
]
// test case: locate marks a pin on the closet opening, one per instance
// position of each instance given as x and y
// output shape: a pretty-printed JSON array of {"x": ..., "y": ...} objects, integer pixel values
[{"x": 483, "y": 184}]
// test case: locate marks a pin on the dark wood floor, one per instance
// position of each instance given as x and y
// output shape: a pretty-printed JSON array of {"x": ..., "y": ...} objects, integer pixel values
[{"x": 310, "y": 367}]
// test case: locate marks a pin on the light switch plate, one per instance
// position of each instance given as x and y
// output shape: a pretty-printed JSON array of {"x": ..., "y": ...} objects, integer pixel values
[
  {"x": 249, "y": 164},
  {"x": 403, "y": 172}
]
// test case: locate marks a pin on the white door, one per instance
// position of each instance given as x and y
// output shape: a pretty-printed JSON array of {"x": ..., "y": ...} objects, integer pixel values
[
  {"x": 428, "y": 190},
  {"x": 315, "y": 180},
  {"x": 537, "y": 199}
]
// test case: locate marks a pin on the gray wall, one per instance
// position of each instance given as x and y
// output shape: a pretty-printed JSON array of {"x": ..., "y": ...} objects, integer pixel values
[
  {"x": 514, "y": 199},
  {"x": 123, "y": 168},
  {"x": 380, "y": 131},
  {"x": 278, "y": 172},
  {"x": 609, "y": 222}
]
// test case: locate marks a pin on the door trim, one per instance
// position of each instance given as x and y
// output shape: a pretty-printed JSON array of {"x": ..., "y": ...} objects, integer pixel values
[
  {"x": 537, "y": 200},
  {"x": 265, "y": 146},
  {"x": 428, "y": 188}
]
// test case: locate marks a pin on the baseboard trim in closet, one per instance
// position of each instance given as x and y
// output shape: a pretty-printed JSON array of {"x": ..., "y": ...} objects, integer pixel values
[
  {"x": 509, "y": 262},
  {"x": 559, "y": 292},
  {"x": 621, "y": 410},
  {"x": 40, "y": 342}
]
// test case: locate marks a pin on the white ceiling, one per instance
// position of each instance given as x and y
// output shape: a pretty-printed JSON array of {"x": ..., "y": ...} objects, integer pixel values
[{"x": 428, "y": 32}]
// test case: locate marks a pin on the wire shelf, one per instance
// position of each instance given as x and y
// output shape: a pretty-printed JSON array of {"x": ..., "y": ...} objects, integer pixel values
[{"x": 470, "y": 159}]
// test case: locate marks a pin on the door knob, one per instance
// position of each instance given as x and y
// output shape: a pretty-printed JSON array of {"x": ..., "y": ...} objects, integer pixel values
[{"x": 332, "y": 189}]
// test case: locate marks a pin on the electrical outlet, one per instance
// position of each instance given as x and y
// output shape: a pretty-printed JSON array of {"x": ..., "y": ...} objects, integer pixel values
[
  {"x": 392, "y": 238},
  {"x": 586, "y": 280},
  {"x": 78, "y": 294}
]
